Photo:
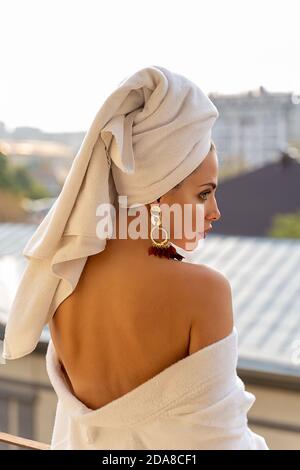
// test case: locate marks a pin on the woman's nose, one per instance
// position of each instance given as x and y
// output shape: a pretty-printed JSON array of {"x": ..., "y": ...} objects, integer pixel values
[{"x": 214, "y": 214}]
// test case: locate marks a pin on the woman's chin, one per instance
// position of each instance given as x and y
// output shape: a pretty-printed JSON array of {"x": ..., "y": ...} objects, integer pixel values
[{"x": 191, "y": 245}]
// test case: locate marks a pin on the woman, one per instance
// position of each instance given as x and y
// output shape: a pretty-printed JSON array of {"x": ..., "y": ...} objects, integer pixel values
[
  {"x": 149, "y": 306},
  {"x": 143, "y": 348}
]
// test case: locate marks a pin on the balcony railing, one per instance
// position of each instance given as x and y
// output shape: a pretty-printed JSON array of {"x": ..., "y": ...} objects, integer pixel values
[{"x": 23, "y": 442}]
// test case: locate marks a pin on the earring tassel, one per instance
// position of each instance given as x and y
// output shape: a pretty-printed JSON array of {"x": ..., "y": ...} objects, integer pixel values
[{"x": 169, "y": 252}]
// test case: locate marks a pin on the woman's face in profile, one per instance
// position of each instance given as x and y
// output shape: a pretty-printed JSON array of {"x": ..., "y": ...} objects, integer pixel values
[{"x": 196, "y": 197}]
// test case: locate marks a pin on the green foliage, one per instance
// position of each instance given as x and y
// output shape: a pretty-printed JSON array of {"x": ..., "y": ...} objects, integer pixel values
[
  {"x": 285, "y": 226},
  {"x": 17, "y": 180}
]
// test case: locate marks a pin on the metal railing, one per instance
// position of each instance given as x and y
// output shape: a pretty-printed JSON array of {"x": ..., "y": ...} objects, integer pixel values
[{"x": 22, "y": 442}]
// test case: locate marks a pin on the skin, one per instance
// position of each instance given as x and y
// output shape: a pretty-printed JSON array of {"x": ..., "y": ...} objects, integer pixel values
[{"x": 132, "y": 315}]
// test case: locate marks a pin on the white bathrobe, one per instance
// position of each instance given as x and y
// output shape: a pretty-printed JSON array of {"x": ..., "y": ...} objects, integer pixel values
[{"x": 197, "y": 403}]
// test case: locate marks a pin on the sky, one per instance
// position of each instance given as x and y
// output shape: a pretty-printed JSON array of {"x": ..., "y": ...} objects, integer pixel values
[{"x": 60, "y": 59}]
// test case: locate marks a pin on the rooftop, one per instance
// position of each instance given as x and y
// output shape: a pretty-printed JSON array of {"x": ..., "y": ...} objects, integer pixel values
[{"x": 261, "y": 193}]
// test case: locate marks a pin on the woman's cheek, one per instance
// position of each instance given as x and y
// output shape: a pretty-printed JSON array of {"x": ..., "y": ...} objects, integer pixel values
[{"x": 199, "y": 218}]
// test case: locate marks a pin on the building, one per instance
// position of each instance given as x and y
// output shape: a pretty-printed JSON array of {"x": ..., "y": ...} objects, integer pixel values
[{"x": 253, "y": 127}]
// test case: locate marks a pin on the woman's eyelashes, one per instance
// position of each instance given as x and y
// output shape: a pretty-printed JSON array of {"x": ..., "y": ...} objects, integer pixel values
[{"x": 203, "y": 195}]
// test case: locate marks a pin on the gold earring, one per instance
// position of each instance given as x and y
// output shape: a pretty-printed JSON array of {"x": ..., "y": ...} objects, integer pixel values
[
  {"x": 156, "y": 222},
  {"x": 163, "y": 248}
]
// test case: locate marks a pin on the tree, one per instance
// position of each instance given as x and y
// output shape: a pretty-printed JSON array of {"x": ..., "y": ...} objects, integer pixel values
[
  {"x": 17, "y": 180},
  {"x": 285, "y": 226}
]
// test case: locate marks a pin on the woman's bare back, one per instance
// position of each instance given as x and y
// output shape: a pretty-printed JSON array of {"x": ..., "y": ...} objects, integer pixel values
[{"x": 124, "y": 323}]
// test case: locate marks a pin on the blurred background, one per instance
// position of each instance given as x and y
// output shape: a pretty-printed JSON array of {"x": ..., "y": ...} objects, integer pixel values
[{"x": 60, "y": 60}]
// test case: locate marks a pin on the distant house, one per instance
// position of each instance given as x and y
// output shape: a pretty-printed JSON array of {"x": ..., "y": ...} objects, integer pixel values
[
  {"x": 248, "y": 202},
  {"x": 265, "y": 279},
  {"x": 254, "y": 126}
]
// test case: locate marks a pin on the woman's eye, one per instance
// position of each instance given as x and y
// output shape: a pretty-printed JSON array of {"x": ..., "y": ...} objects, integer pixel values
[{"x": 203, "y": 196}]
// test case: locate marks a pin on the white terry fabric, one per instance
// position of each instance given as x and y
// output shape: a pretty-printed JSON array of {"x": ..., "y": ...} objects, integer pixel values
[
  {"x": 198, "y": 402},
  {"x": 148, "y": 135}
]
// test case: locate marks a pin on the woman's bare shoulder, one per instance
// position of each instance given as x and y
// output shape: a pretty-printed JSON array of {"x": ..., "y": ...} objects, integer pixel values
[
  {"x": 206, "y": 296},
  {"x": 192, "y": 276}
]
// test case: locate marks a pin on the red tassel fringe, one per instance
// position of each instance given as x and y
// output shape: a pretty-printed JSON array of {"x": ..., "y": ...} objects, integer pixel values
[{"x": 169, "y": 252}]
